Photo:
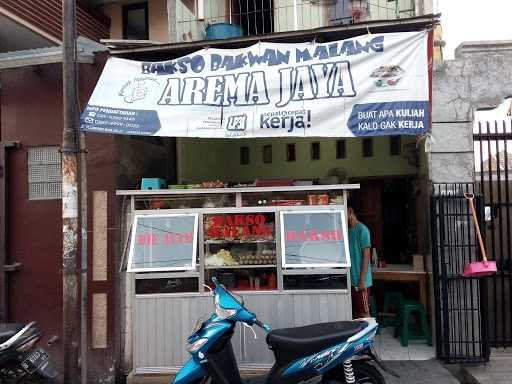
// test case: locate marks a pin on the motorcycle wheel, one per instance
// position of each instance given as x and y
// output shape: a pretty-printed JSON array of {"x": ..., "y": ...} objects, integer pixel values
[{"x": 364, "y": 374}]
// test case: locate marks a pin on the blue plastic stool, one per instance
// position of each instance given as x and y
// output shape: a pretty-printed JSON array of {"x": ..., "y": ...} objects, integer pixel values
[{"x": 152, "y": 183}]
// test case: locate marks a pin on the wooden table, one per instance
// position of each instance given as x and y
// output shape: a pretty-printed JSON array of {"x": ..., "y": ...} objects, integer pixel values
[{"x": 403, "y": 273}]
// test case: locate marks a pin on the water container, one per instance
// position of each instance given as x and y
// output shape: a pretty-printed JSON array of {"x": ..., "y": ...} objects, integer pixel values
[{"x": 223, "y": 31}]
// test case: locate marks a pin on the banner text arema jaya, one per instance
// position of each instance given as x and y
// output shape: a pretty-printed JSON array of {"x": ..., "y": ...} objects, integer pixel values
[{"x": 307, "y": 82}]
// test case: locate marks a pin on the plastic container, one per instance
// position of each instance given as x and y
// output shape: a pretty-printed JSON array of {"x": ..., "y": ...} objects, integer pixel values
[
  {"x": 219, "y": 31},
  {"x": 228, "y": 279},
  {"x": 152, "y": 183}
]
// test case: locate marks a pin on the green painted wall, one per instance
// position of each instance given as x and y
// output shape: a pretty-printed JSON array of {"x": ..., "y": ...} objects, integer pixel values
[{"x": 207, "y": 159}]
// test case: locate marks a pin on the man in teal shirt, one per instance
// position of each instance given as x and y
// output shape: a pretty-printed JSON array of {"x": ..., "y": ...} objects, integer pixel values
[{"x": 360, "y": 272}]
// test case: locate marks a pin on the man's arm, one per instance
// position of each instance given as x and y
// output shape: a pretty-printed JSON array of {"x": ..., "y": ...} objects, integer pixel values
[{"x": 364, "y": 268}]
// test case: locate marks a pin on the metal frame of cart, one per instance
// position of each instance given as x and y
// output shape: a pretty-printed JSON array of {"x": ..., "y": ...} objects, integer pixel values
[{"x": 283, "y": 305}]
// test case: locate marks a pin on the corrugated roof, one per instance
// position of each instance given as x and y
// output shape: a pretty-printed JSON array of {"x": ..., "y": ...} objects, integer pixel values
[{"x": 86, "y": 50}]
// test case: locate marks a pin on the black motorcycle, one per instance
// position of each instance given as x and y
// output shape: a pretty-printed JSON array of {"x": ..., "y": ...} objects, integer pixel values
[{"x": 21, "y": 362}]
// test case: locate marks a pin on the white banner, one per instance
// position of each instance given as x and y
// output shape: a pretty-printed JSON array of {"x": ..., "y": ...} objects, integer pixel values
[{"x": 371, "y": 85}]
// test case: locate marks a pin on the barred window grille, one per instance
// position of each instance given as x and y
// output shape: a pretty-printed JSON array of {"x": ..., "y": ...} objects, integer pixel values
[
  {"x": 260, "y": 17},
  {"x": 44, "y": 173}
]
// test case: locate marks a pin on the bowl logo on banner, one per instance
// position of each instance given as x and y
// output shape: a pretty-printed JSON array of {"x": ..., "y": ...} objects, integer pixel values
[
  {"x": 387, "y": 75},
  {"x": 136, "y": 89}
]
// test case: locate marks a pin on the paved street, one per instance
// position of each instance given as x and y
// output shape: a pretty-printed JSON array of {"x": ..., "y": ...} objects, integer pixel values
[
  {"x": 497, "y": 371},
  {"x": 411, "y": 372},
  {"x": 420, "y": 372}
]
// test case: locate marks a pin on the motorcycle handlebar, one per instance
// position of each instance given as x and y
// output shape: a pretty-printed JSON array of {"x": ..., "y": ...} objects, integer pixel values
[
  {"x": 7, "y": 344},
  {"x": 263, "y": 326}
]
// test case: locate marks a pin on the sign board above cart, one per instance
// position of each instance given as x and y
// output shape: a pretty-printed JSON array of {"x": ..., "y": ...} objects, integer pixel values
[{"x": 371, "y": 85}]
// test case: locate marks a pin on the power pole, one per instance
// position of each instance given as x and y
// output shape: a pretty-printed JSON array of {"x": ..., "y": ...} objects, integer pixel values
[
  {"x": 84, "y": 260},
  {"x": 70, "y": 299}
]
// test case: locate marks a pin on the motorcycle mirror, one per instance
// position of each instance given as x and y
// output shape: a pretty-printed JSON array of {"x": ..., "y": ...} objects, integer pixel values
[
  {"x": 252, "y": 329},
  {"x": 208, "y": 288}
]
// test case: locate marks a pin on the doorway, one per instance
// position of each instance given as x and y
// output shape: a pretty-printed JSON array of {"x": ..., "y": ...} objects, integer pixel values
[{"x": 385, "y": 205}]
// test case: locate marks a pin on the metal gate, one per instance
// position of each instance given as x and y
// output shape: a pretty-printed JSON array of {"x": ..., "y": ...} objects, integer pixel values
[
  {"x": 460, "y": 316},
  {"x": 493, "y": 168}
]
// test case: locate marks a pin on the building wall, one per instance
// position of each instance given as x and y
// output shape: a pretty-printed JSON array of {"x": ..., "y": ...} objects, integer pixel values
[
  {"x": 46, "y": 18},
  {"x": 223, "y": 159},
  {"x": 309, "y": 15},
  {"x": 31, "y": 112},
  {"x": 480, "y": 76},
  {"x": 35, "y": 292},
  {"x": 187, "y": 27},
  {"x": 425, "y": 7},
  {"x": 158, "y": 20}
]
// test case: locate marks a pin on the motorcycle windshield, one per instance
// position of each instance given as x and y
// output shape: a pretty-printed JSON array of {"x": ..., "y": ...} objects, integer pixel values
[{"x": 227, "y": 301}]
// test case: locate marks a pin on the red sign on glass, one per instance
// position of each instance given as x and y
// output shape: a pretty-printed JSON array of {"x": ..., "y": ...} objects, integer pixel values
[
  {"x": 152, "y": 239},
  {"x": 239, "y": 226},
  {"x": 314, "y": 235}
]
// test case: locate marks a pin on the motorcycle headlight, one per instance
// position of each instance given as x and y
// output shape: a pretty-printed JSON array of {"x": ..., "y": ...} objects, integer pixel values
[
  {"x": 196, "y": 345},
  {"x": 223, "y": 312}
]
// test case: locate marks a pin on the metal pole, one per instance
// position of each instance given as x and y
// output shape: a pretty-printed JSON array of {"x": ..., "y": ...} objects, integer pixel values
[
  {"x": 71, "y": 309},
  {"x": 83, "y": 256}
]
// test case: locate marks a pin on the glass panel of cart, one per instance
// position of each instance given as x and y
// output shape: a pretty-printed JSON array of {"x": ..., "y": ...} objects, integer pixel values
[
  {"x": 314, "y": 239},
  {"x": 240, "y": 250},
  {"x": 163, "y": 243}
]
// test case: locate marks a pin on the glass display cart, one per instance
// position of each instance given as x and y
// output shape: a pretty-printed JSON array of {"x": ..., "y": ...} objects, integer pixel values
[{"x": 285, "y": 249}]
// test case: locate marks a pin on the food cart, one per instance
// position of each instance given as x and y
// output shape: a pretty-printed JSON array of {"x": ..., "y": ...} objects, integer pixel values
[{"x": 284, "y": 249}]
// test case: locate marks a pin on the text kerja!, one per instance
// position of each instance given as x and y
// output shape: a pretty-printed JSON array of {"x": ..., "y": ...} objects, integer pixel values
[{"x": 306, "y": 82}]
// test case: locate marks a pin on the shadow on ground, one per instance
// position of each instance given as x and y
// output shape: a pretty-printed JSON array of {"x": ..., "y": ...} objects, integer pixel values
[{"x": 419, "y": 372}]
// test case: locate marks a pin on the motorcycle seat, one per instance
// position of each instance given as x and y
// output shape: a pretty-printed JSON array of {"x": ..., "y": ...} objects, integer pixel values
[
  {"x": 8, "y": 330},
  {"x": 310, "y": 339}
]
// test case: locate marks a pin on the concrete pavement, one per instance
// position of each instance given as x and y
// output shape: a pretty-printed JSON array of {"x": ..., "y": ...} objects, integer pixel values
[
  {"x": 419, "y": 372},
  {"x": 411, "y": 372},
  {"x": 497, "y": 371}
]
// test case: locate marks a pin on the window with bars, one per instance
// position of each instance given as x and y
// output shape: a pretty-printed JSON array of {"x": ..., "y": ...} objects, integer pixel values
[
  {"x": 259, "y": 17},
  {"x": 255, "y": 17},
  {"x": 44, "y": 173}
]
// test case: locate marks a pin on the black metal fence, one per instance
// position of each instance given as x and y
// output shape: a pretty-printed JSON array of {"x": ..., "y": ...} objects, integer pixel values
[
  {"x": 460, "y": 318},
  {"x": 493, "y": 167}
]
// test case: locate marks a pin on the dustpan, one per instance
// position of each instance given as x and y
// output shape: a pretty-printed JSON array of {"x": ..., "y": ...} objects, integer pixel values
[{"x": 478, "y": 268}]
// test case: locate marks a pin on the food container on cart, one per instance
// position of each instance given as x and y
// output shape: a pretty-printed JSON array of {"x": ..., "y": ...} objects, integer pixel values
[
  {"x": 228, "y": 279},
  {"x": 323, "y": 199}
]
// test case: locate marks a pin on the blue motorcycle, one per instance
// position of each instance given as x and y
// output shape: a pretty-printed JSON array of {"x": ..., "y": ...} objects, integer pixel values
[{"x": 328, "y": 353}]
